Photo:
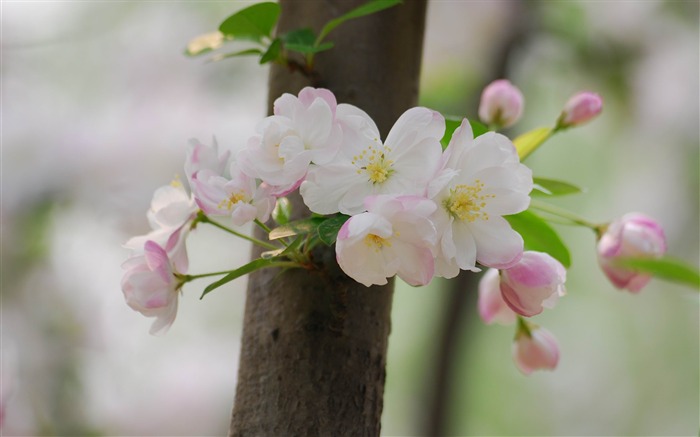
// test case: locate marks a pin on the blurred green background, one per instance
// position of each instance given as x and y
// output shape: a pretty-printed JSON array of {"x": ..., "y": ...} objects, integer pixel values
[{"x": 98, "y": 103}]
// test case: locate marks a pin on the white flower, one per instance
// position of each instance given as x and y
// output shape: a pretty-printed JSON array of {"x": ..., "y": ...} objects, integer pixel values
[
  {"x": 402, "y": 165},
  {"x": 171, "y": 212},
  {"x": 303, "y": 130},
  {"x": 238, "y": 196},
  {"x": 150, "y": 286},
  {"x": 394, "y": 237},
  {"x": 481, "y": 181}
]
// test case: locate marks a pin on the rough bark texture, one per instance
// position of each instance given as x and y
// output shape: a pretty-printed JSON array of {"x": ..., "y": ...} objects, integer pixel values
[{"x": 314, "y": 346}]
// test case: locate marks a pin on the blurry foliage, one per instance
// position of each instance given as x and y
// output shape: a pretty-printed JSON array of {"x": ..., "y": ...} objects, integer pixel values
[{"x": 28, "y": 245}]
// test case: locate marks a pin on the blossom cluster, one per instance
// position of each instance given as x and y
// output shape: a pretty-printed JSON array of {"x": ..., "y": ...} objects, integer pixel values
[
  {"x": 407, "y": 208},
  {"x": 415, "y": 211}
]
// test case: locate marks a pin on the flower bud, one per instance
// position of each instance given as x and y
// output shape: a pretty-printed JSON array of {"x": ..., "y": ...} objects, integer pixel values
[
  {"x": 492, "y": 307},
  {"x": 633, "y": 235},
  {"x": 535, "y": 348},
  {"x": 579, "y": 109},
  {"x": 534, "y": 283},
  {"x": 501, "y": 104}
]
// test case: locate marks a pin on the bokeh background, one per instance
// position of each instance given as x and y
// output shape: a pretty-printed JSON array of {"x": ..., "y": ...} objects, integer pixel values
[{"x": 98, "y": 103}]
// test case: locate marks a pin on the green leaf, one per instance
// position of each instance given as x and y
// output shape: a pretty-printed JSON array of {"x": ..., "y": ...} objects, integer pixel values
[
  {"x": 664, "y": 268},
  {"x": 368, "y": 8},
  {"x": 303, "y": 41},
  {"x": 273, "y": 52},
  {"x": 282, "y": 211},
  {"x": 302, "y": 37},
  {"x": 309, "y": 49},
  {"x": 539, "y": 236},
  {"x": 328, "y": 230},
  {"x": 222, "y": 56},
  {"x": 296, "y": 228},
  {"x": 529, "y": 141},
  {"x": 252, "y": 266},
  {"x": 252, "y": 23},
  {"x": 551, "y": 187},
  {"x": 451, "y": 125}
]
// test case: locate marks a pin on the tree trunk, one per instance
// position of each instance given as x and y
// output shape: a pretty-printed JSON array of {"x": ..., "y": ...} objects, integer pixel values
[{"x": 313, "y": 353}]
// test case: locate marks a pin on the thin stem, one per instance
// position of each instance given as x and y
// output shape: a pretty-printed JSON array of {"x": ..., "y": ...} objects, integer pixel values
[
  {"x": 524, "y": 327},
  {"x": 188, "y": 278},
  {"x": 563, "y": 213},
  {"x": 267, "y": 230},
  {"x": 263, "y": 226},
  {"x": 201, "y": 217}
]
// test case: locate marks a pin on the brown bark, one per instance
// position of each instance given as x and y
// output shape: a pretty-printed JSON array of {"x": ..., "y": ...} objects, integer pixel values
[{"x": 314, "y": 345}]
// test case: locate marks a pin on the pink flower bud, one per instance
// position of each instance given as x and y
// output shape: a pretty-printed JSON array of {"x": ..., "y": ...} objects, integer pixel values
[
  {"x": 633, "y": 235},
  {"x": 501, "y": 103},
  {"x": 492, "y": 307},
  {"x": 580, "y": 108},
  {"x": 534, "y": 283},
  {"x": 538, "y": 350}
]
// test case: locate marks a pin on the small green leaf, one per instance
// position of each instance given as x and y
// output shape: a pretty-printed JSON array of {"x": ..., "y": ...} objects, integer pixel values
[
  {"x": 296, "y": 228},
  {"x": 302, "y": 37},
  {"x": 282, "y": 211},
  {"x": 328, "y": 230},
  {"x": 451, "y": 125},
  {"x": 664, "y": 268},
  {"x": 478, "y": 128},
  {"x": 529, "y": 141},
  {"x": 222, "y": 56},
  {"x": 252, "y": 23},
  {"x": 303, "y": 41},
  {"x": 551, "y": 187},
  {"x": 273, "y": 52},
  {"x": 309, "y": 49},
  {"x": 252, "y": 266},
  {"x": 539, "y": 236},
  {"x": 368, "y": 8}
]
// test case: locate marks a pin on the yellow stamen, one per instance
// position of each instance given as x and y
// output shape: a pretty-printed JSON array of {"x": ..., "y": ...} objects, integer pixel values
[
  {"x": 232, "y": 199},
  {"x": 374, "y": 163},
  {"x": 465, "y": 202},
  {"x": 376, "y": 242},
  {"x": 176, "y": 182}
]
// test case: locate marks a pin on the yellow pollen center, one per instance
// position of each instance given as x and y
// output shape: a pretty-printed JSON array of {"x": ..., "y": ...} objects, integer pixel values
[
  {"x": 232, "y": 199},
  {"x": 176, "y": 183},
  {"x": 466, "y": 202},
  {"x": 374, "y": 163},
  {"x": 376, "y": 242}
]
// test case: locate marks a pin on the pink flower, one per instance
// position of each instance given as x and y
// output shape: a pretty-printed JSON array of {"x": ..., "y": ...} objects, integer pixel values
[
  {"x": 633, "y": 235},
  {"x": 535, "y": 348},
  {"x": 150, "y": 286},
  {"x": 239, "y": 197},
  {"x": 579, "y": 109},
  {"x": 303, "y": 130},
  {"x": 394, "y": 237},
  {"x": 534, "y": 283},
  {"x": 492, "y": 307},
  {"x": 172, "y": 211},
  {"x": 501, "y": 104}
]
